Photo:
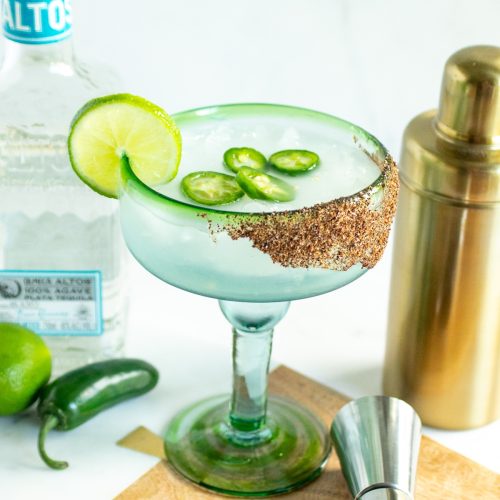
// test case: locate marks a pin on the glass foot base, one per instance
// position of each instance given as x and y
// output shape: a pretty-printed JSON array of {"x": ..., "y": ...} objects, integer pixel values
[{"x": 289, "y": 453}]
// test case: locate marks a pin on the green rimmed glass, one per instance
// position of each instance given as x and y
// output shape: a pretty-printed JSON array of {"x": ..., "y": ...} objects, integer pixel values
[{"x": 248, "y": 444}]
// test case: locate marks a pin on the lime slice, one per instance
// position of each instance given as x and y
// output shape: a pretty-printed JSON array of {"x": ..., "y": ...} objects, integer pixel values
[
  {"x": 211, "y": 188},
  {"x": 263, "y": 186},
  {"x": 235, "y": 158},
  {"x": 110, "y": 127},
  {"x": 294, "y": 161}
]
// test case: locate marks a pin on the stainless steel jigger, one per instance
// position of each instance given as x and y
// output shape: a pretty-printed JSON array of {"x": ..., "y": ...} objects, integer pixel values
[{"x": 377, "y": 439}]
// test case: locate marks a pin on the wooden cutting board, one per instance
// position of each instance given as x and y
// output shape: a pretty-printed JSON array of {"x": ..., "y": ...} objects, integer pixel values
[{"x": 442, "y": 473}]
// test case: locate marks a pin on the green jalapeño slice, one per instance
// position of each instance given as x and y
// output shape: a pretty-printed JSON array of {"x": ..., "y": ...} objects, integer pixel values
[
  {"x": 263, "y": 186},
  {"x": 211, "y": 188},
  {"x": 235, "y": 158},
  {"x": 294, "y": 161}
]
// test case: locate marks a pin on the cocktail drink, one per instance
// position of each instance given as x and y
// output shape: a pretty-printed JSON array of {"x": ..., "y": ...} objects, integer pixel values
[{"x": 255, "y": 254}]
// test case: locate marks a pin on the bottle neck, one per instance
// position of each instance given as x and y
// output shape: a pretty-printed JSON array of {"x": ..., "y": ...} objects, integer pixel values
[
  {"x": 37, "y": 31},
  {"x": 46, "y": 54}
]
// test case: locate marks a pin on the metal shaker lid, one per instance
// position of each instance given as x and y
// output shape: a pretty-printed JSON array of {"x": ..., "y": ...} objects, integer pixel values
[
  {"x": 469, "y": 108},
  {"x": 453, "y": 154}
]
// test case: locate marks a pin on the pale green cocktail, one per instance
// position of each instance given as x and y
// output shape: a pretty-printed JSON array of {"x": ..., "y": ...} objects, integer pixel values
[{"x": 170, "y": 236}]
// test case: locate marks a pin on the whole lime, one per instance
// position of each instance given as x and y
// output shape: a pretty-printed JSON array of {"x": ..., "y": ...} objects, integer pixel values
[{"x": 25, "y": 366}]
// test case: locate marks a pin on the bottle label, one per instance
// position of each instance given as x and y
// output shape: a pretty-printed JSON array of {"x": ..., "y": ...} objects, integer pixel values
[
  {"x": 35, "y": 21},
  {"x": 53, "y": 302}
]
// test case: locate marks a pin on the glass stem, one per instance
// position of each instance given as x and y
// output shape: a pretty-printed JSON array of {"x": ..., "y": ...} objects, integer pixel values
[
  {"x": 251, "y": 356},
  {"x": 253, "y": 325}
]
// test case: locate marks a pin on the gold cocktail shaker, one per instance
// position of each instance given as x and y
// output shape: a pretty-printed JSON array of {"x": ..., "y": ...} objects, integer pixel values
[{"x": 443, "y": 346}]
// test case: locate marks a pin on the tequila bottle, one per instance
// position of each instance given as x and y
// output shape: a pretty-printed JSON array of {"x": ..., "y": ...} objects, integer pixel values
[{"x": 61, "y": 253}]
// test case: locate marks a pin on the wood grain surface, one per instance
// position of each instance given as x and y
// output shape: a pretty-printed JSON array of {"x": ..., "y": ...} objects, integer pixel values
[{"x": 442, "y": 473}]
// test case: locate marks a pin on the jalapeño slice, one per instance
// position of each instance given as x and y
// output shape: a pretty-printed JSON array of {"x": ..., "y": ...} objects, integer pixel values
[
  {"x": 211, "y": 188},
  {"x": 294, "y": 161},
  {"x": 263, "y": 186},
  {"x": 235, "y": 158}
]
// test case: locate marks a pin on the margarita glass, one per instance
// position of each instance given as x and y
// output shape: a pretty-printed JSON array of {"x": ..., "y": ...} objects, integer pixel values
[{"x": 254, "y": 258}]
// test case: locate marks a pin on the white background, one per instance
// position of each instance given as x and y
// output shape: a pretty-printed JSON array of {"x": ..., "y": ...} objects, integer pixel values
[{"x": 374, "y": 62}]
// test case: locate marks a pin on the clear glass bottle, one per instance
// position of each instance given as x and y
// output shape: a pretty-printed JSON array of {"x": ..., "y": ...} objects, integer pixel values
[{"x": 61, "y": 253}]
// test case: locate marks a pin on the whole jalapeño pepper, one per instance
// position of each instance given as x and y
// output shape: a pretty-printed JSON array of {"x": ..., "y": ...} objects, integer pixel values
[{"x": 77, "y": 396}]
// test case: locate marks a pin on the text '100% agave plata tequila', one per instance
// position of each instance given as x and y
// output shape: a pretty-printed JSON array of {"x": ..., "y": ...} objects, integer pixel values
[{"x": 61, "y": 255}]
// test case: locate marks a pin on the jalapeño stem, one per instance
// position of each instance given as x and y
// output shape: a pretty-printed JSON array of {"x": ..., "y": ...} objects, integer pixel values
[{"x": 49, "y": 422}]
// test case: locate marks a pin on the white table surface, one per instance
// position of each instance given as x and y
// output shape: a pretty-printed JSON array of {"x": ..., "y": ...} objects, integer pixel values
[
  {"x": 337, "y": 339},
  {"x": 374, "y": 62}
]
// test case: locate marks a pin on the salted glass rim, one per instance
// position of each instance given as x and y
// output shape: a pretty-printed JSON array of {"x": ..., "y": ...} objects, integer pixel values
[{"x": 236, "y": 109}]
